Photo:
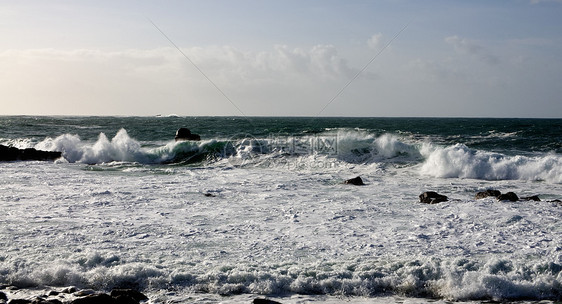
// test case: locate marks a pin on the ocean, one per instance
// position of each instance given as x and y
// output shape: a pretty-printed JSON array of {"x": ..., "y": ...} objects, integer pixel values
[{"x": 259, "y": 209}]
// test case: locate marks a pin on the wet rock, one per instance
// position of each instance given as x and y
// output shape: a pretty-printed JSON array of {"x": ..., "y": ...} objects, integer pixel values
[
  {"x": 3, "y": 296},
  {"x": 185, "y": 134},
  {"x": 264, "y": 301},
  {"x": 357, "y": 181},
  {"x": 99, "y": 298},
  {"x": 19, "y": 301},
  {"x": 12, "y": 154},
  {"x": 510, "y": 196},
  {"x": 431, "y": 197},
  {"x": 535, "y": 198},
  {"x": 488, "y": 193},
  {"x": 128, "y": 293},
  {"x": 70, "y": 289}
]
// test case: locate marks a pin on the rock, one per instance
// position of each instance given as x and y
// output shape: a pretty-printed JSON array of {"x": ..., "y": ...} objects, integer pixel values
[
  {"x": 510, "y": 196},
  {"x": 128, "y": 293},
  {"x": 12, "y": 154},
  {"x": 531, "y": 198},
  {"x": 3, "y": 296},
  {"x": 70, "y": 289},
  {"x": 185, "y": 134},
  {"x": 264, "y": 301},
  {"x": 431, "y": 197},
  {"x": 99, "y": 298},
  {"x": 487, "y": 193},
  {"x": 357, "y": 181},
  {"x": 20, "y": 301}
]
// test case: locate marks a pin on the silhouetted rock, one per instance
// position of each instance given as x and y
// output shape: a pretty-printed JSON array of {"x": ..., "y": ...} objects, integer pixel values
[
  {"x": 185, "y": 134},
  {"x": 3, "y": 296},
  {"x": 531, "y": 198},
  {"x": 12, "y": 154},
  {"x": 431, "y": 197},
  {"x": 510, "y": 196},
  {"x": 488, "y": 193},
  {"x": 355, "y": 181}
]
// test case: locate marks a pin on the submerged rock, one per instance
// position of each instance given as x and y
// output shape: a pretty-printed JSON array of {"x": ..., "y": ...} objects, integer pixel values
[
  {"x": 431, "y": 197},
  {"x": 12, "y": 154},
  {"x": 488, "y": 193},
  {"x": 510, "y": 196},
  {"x": 355, "y": 181}
]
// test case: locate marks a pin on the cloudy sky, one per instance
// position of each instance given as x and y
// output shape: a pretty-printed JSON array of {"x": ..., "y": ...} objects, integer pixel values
[{"x": 282, "y": 58}]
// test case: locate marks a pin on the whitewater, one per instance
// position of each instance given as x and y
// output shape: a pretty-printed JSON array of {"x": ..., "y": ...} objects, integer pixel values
[{"x": 259, "y": 209}]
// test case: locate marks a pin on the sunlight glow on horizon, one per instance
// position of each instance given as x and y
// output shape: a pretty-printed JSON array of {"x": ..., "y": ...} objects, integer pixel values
[{"x": 475, "y": 59}]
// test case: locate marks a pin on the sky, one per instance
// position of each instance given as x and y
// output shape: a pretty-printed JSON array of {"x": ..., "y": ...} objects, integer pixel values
[{"x": 379, "y": 58}]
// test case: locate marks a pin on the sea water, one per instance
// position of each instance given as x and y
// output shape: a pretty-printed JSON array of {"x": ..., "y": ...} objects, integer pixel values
[{"x": 258, "y": 208}]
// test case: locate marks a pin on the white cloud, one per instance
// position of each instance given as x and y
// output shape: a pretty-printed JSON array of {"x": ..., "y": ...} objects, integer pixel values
[
  {"x": 375, "y": 42},
  {"x": 125, "y": 82},
  {"x": 465, "y": 46},
  {"x": 545, "y": 1}
]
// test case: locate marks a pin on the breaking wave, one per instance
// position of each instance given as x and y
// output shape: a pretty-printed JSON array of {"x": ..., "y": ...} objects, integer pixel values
[
  {"x": 461, "y": 161},
  {"x": 343, "y": 145}
]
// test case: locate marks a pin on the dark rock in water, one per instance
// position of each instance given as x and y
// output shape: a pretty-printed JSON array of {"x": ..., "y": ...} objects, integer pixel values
[
  {"x": 185, "y": 134},
  {"x": 355, "y": 181},
  {"x": 3, "y": 296},
  {"x": 431, "y": 197},
  {"x": 128, "y": 293},
  {"x": 12, "y": 154},
  {"x": 510, "y": 196},
  {"x": 264, "y": 301},
  {"x": 20, "y": 301},
  {"x": 531, "y": 198},
  {"x": 488, "y": 193},
  {"x": 209, "y": 195},
  {"x": 99, "y": 298}
]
